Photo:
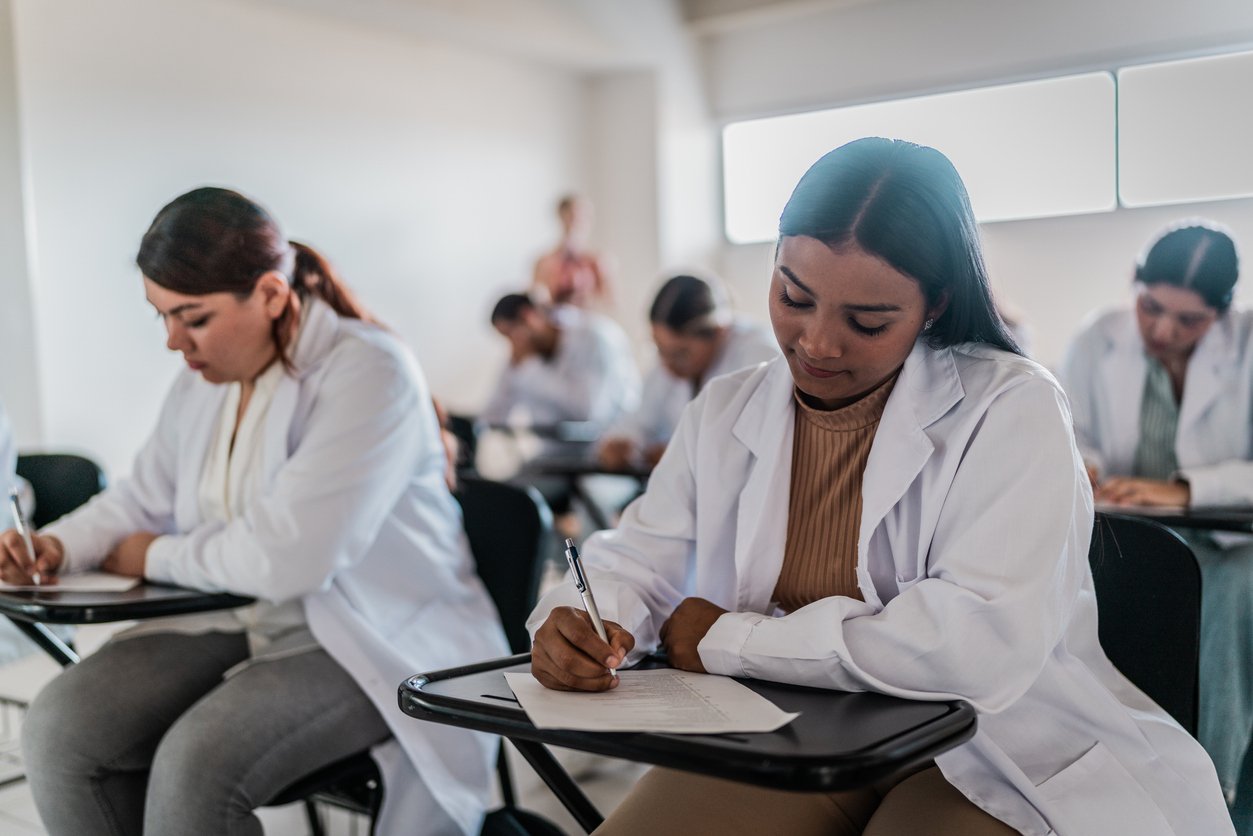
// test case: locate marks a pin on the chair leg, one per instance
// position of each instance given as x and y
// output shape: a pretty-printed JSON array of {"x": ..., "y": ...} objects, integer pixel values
[{"x": 315, "y": 820}]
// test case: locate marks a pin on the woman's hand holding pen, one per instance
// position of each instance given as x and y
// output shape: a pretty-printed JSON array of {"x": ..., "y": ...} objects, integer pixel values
[
  {"x": 683, "y": 630},
  {"x": 568, "y": 655},
  {"x": 16, "y": 565}
]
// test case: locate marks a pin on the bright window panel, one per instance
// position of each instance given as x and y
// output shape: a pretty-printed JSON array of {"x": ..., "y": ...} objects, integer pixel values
[
  {"x": 1184, "y": 130},
  {"x": 1028, "y": 150}
]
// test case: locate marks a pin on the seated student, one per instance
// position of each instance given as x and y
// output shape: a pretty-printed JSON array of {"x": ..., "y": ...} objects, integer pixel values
[
  {"x": 698, "y": 338},
  {"x": 296, "y": 459},
  {"x": 1162, "y": 394},
  {"x": 565, "y": 365},
  {"x": 13, "y": 644},
  {"x": 896, "y": 506}
]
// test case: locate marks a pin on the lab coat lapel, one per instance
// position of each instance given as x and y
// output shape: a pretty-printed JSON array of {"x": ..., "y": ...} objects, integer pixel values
[
  {"x": 765, "y": 427},
  {"x": 1124, "y": 379},
  {"x": 1212, "y": 362},
  {"x": 927, "y": 388},
  {"x": 318, "y": 331},
  {"x": 200, "y": 419}
]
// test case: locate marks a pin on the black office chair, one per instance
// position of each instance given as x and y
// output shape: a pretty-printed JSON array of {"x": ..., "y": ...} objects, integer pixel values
[
  {"x": 1148, "y": 592},
  {"x": 462, "y": 426},
  {"x": 509, "y": 528},
  {"x": 61, "y": 482}
]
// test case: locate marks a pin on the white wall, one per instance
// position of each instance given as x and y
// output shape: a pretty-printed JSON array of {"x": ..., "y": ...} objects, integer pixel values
[
  {"x": 19, "y": 381},
  {"x": 426, "y": 173},
  {"x": 1057, "y": 269}
]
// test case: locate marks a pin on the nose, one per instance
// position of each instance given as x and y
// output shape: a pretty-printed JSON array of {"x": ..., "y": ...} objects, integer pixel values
[
  {"x": 1163, "y": 330},
  {"x": 821, "y": 342},
  {"x": 175, "y": 335}
]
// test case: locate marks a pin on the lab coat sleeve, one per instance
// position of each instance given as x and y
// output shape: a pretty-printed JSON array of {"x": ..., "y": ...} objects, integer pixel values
[
  {"x": 646, "y": 424},
  {"x": 142, "y": 501},
  {"x": 1225, "y": 483},
  {"x": 500, "y": 403},
  {"x": 1004, "y": 570},
  {"x": 367, "y": 436},
  {"x": 638, "y": 570},
  {"x": 1078, "y": 378},
  {"x": 587, "y": 392}
]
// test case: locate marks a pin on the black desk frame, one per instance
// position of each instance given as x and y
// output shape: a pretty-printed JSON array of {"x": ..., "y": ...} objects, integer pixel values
[
  {"x": 787, "y": 759},
  {"x": 32, "y": 610}
]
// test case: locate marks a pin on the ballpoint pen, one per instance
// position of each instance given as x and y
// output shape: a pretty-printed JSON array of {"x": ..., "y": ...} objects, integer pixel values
[
  {"x": 19, "y": 521},
  {"x": 585, "y": 592}
]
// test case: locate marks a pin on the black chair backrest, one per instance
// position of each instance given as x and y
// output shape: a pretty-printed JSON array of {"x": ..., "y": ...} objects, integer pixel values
[
  {"x": 1148, "y": 592},
  {"x": 462, "y": 426},
  {"x": 510, "y": 528},
  {"x": 61, "y": 482}
]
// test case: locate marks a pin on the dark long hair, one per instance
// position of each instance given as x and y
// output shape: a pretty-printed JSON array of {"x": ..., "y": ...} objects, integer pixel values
[
  {"x": 1197, "y": 255},
  {"x": 690, "y": 305},
  {"x": 213, "y": 240},
  {"x": 905, "y": 204}
]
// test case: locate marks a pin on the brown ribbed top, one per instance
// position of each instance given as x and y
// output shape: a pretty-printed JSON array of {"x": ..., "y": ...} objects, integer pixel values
[{"x": 829, "y": 456}]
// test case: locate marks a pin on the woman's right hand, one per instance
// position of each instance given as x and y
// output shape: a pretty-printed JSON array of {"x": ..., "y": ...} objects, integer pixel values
[
  {"x": 616, "y": 453},
  {"x": 15, "y": 563},
  {"x": 568, "y": 655}
]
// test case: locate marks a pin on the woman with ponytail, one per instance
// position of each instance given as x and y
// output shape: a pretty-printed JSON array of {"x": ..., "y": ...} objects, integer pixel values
[{"x": 296, "y": 460}]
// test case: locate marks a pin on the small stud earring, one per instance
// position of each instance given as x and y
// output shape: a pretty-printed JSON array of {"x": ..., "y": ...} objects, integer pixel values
[{"x": 926, "y": 326}]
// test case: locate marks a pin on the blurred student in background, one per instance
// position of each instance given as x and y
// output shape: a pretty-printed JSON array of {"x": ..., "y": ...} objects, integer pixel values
[
  {"x": 1162, "y": 394},
  {"x": 564, "y": 365},
  {"x": 698, "y": 337}
]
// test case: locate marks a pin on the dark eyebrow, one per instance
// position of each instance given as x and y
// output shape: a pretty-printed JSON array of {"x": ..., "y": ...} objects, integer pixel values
[
  {"x": 178, "y": 309},
  {"x": 878, "y": 308}
]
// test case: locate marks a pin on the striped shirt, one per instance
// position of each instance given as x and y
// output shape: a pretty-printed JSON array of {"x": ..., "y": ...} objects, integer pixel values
[{"x": 829, "y": 454}]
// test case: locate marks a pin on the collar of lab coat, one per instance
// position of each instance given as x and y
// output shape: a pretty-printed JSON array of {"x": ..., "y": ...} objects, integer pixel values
[
  {"x": 928, "y": 387},
  {"x": 317, "y": 336},
  {"x": 1212, "y": 365}
]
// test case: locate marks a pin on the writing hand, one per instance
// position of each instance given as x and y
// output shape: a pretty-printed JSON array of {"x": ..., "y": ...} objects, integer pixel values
[
  {"x": 16, "y": 565},
  {"x": 1125, "y": 490},
  {"x": 616, "y": 453},
  {"x": 567, "y": 655},
  {"x": 130, "y": 556},
  {"x": 684, "y": 629}
]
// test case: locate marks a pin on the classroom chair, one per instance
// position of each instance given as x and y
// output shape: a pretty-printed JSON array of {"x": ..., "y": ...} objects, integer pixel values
[
  {"x": 61, "y": 482},
  {"x": 1148, "y": 593},
  {"x": 509, "y": 528}
]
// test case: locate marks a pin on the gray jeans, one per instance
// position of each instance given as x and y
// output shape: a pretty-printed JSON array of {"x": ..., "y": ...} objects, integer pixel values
[{"x": 144, "y": 736}]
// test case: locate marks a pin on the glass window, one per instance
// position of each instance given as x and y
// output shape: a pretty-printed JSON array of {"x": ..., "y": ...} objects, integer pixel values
[{"x": 1025, "y": 150}]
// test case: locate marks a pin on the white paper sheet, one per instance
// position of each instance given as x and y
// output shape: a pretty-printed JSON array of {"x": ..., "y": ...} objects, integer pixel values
[
  {"x": 82, "y": 582},
  {"x": 663, "y": 700}
]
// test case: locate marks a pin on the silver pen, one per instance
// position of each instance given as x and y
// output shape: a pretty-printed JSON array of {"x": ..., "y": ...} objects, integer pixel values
[
  {"x": 19, "y": 521},
  {"x": 585, "y": 592}
]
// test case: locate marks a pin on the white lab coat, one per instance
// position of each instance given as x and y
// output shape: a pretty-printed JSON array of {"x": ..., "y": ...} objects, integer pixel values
[
  {"x": 664, "y": 396},
  {"x": 1104, "y": 374},
  {"x": 355, "y": 521},
  {"x": 591, "y": 377},
  {"x": 972, "y": 560}
]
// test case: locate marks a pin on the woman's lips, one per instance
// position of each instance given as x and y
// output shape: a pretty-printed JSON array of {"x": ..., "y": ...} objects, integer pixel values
[
  {"x": 814, "y": 371},
  {"x": 194, "y": 366}
]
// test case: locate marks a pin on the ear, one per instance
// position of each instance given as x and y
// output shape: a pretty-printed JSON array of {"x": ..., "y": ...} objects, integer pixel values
[
  {"x": 274, "y": 292},
  {"x": 941, "y": 305}
]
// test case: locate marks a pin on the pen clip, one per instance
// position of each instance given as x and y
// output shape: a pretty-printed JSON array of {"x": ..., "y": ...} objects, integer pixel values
[{"x": 576, "y": 566}]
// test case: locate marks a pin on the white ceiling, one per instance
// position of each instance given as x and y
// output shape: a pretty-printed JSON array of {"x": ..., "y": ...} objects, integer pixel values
[{"x": 586, "y": 35}]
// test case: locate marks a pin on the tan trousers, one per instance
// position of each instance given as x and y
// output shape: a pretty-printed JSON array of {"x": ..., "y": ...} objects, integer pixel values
[{"x": 924, "y": 804}]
